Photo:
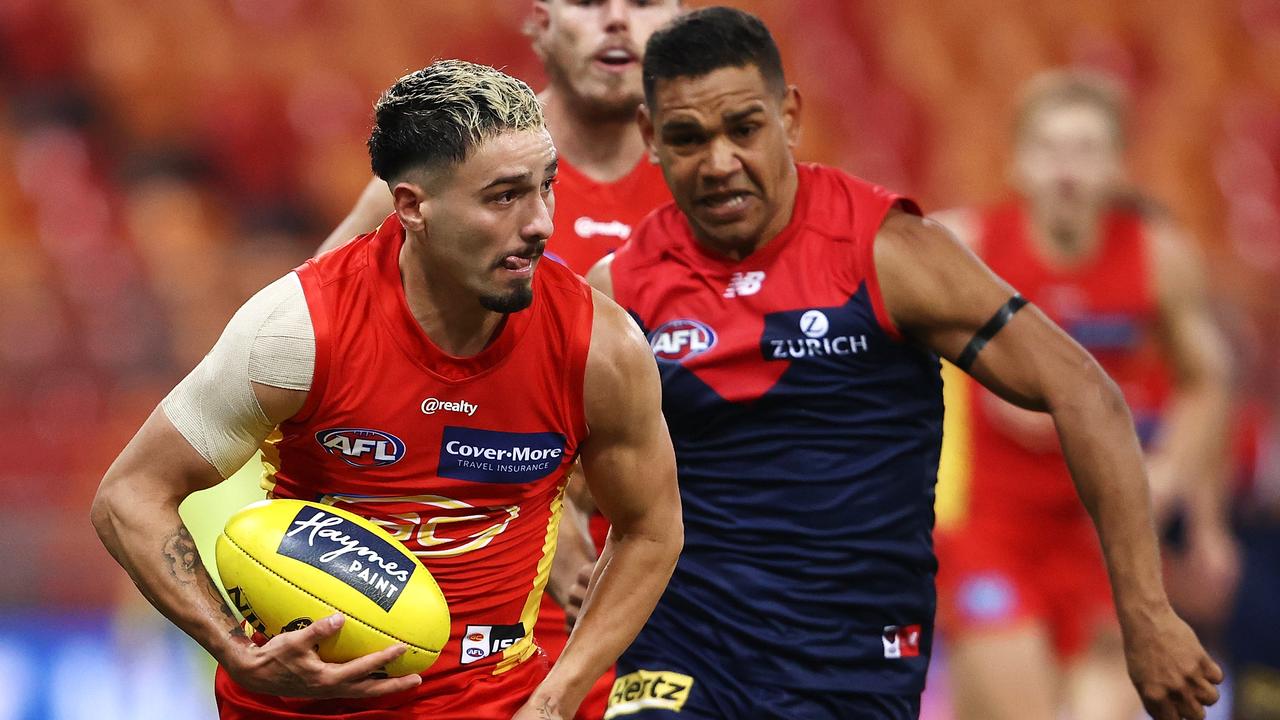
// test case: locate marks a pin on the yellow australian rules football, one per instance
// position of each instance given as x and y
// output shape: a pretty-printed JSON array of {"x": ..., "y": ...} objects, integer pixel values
[{"x": 288, "y": 563}]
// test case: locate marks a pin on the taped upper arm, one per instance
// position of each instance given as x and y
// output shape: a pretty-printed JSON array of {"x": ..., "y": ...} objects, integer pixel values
[{"x": 256, "y": 376}]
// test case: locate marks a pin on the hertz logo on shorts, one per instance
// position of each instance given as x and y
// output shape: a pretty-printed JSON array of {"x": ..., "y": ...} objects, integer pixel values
[{"x": 648, "y": 690}]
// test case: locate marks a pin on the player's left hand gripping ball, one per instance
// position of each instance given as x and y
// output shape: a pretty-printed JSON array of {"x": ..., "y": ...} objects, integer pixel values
[{"x": 286, "y": 563}]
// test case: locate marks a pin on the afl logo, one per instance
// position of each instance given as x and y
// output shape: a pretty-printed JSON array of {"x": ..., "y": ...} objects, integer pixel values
[
  {"x": 679, "y": 340},
  {"x": 361, "y": 447}
]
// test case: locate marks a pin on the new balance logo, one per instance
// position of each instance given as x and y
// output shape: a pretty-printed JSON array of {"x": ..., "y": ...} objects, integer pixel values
[{"x": 744, "y": 283}]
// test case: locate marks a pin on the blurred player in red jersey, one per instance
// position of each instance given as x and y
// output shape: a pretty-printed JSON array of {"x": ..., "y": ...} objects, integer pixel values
[
  {"x": 1023, "y": 591},
  {"x": 591, "y": 52},
  {"x": 445, "y": 331}
]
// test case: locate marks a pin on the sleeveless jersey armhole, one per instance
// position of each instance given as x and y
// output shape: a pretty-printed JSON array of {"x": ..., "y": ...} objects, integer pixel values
[
  {"x": 867, "y": 257},
  {"x": 578, "y": 345},
  {"x": 314, "y": 293}
]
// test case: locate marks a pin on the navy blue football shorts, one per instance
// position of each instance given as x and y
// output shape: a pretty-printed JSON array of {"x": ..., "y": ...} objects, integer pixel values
[
  {"x": 1253, "y": 635},
  {"x": 680, "y": 686}
]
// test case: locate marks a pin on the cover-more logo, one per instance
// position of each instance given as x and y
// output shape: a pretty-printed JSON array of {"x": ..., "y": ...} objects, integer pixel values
[
  {"x": 648, "y": 689},
  {"x": 743, "y": 284},
  {"x": 481, "y": 641},
  {"x": 492, "y": 456},
  {"x": 679, "y": 340}
]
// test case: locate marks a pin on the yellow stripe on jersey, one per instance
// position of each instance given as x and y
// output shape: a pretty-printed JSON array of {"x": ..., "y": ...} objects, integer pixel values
[
  {"x": 955, "y": 467},
  {"x": 270, "y": 461},
  {"x": 525, "y": 647}
]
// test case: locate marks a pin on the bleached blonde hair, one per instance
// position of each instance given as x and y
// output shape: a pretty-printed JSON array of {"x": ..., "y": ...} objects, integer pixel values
[
  {"x": 435, "y": 116},
  {"x": 1062, "y": 88}
]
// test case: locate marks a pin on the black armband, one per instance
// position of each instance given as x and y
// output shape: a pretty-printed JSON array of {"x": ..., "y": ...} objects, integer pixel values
[{"x": 988, "y": 331}]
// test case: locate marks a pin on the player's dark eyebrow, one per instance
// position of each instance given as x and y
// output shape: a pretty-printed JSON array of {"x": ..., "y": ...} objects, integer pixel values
[
  {"x": 681, "y": 125},
  {"x": 523, "y": 178},
  {"x": 517, "y": 179},
  {"x": 740, "y": 115}
]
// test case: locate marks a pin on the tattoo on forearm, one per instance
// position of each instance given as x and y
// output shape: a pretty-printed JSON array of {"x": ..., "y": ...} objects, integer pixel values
[
  {"x": 186, "y": 567},
  {"x": 180, "y": 550}
]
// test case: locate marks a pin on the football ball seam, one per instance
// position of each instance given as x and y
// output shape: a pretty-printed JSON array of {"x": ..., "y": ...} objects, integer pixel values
[{"x": 231, "y": 541}]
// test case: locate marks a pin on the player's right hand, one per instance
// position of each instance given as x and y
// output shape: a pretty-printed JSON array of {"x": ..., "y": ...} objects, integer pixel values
[
  {"x": 290, "y": 665},
  {"x": 1175, "y": 677}
]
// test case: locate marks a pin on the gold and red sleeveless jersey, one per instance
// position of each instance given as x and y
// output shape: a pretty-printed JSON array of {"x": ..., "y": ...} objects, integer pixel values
[
  {"x": 593, "y": 218},
  {"x": 1107, "y": 303},
  {"x": 462, "y": 459}
]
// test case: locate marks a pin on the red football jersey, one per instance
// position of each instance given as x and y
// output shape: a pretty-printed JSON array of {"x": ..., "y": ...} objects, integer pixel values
[
  {"x": 463, "y": 459},
  {"x": 593, "y": 219},
  {"x": 1107, "y": 303}
]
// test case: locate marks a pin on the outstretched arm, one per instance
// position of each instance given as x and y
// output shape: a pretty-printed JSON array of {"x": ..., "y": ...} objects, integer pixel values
[
  {"x": 371, "y": 208},
  {"x": 939, "y": 294},
  {"x": 630, "y": 468}
]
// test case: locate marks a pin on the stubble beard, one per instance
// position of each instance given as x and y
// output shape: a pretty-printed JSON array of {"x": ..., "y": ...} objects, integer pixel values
[
  {"x": 509, "y": 302},
  {"x": 607, "y": 105}
]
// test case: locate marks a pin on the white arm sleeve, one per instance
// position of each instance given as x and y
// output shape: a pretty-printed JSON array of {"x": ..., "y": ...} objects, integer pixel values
[{"x": 269, "y": 341}]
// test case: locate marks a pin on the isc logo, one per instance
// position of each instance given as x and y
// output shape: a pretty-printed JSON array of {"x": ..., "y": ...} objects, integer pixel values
[
  {"x": 481, "y": 641},
  {"x": 680, "y": 339},
  {"x": 360, "y": 447}
]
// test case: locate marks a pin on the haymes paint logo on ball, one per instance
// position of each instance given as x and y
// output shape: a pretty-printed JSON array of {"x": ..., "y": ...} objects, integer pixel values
[
  {"x": 349, "y": 553},
  {"x": 499, "y": 457}
]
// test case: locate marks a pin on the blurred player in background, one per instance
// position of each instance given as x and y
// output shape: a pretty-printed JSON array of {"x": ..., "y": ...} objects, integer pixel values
[
  {"x": 591, "y": 52},
  {"x": 797, "y": 314},
  {"x": 1023, "y": 594},
  {"x": 1253, "y": 635},
  {"x": 448, "y": 301}
]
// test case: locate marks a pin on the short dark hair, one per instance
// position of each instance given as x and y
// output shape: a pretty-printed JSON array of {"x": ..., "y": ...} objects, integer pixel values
[
  {"x": 697, "y": 43},
  {"x": 434, "y": 116}
]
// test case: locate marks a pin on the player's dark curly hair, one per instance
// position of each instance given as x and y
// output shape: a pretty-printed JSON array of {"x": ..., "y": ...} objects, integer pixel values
[
  {"x": 702, "y": 41},
  {"x": 434, "y": 116}
]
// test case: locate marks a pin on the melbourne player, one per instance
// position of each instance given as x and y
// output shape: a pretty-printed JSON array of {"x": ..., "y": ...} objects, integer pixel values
[
  {"x": 797, "y": 315},
  {"x": 1023, "y": 589},
  {"x": 606, "y": 183},
  {"x": 440, "y": 339}
]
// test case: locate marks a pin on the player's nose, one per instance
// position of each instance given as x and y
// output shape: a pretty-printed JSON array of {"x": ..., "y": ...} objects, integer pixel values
[
  {"x": 722, "y": 160},
  {"x": 615, "y": 14},
  {"x": 539, "y": 225}
]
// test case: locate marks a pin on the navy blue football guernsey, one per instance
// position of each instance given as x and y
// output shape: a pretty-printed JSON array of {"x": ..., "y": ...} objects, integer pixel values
[{"x": 807, "y": 435}]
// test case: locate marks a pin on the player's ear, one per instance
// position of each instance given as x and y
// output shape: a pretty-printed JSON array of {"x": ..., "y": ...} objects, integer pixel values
[
  {"x": 645, "y": 121},
  {"x": 791, "y": 104},
  {"x": 409, "y": 199},
  {"x": 536, "y": 25}
]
